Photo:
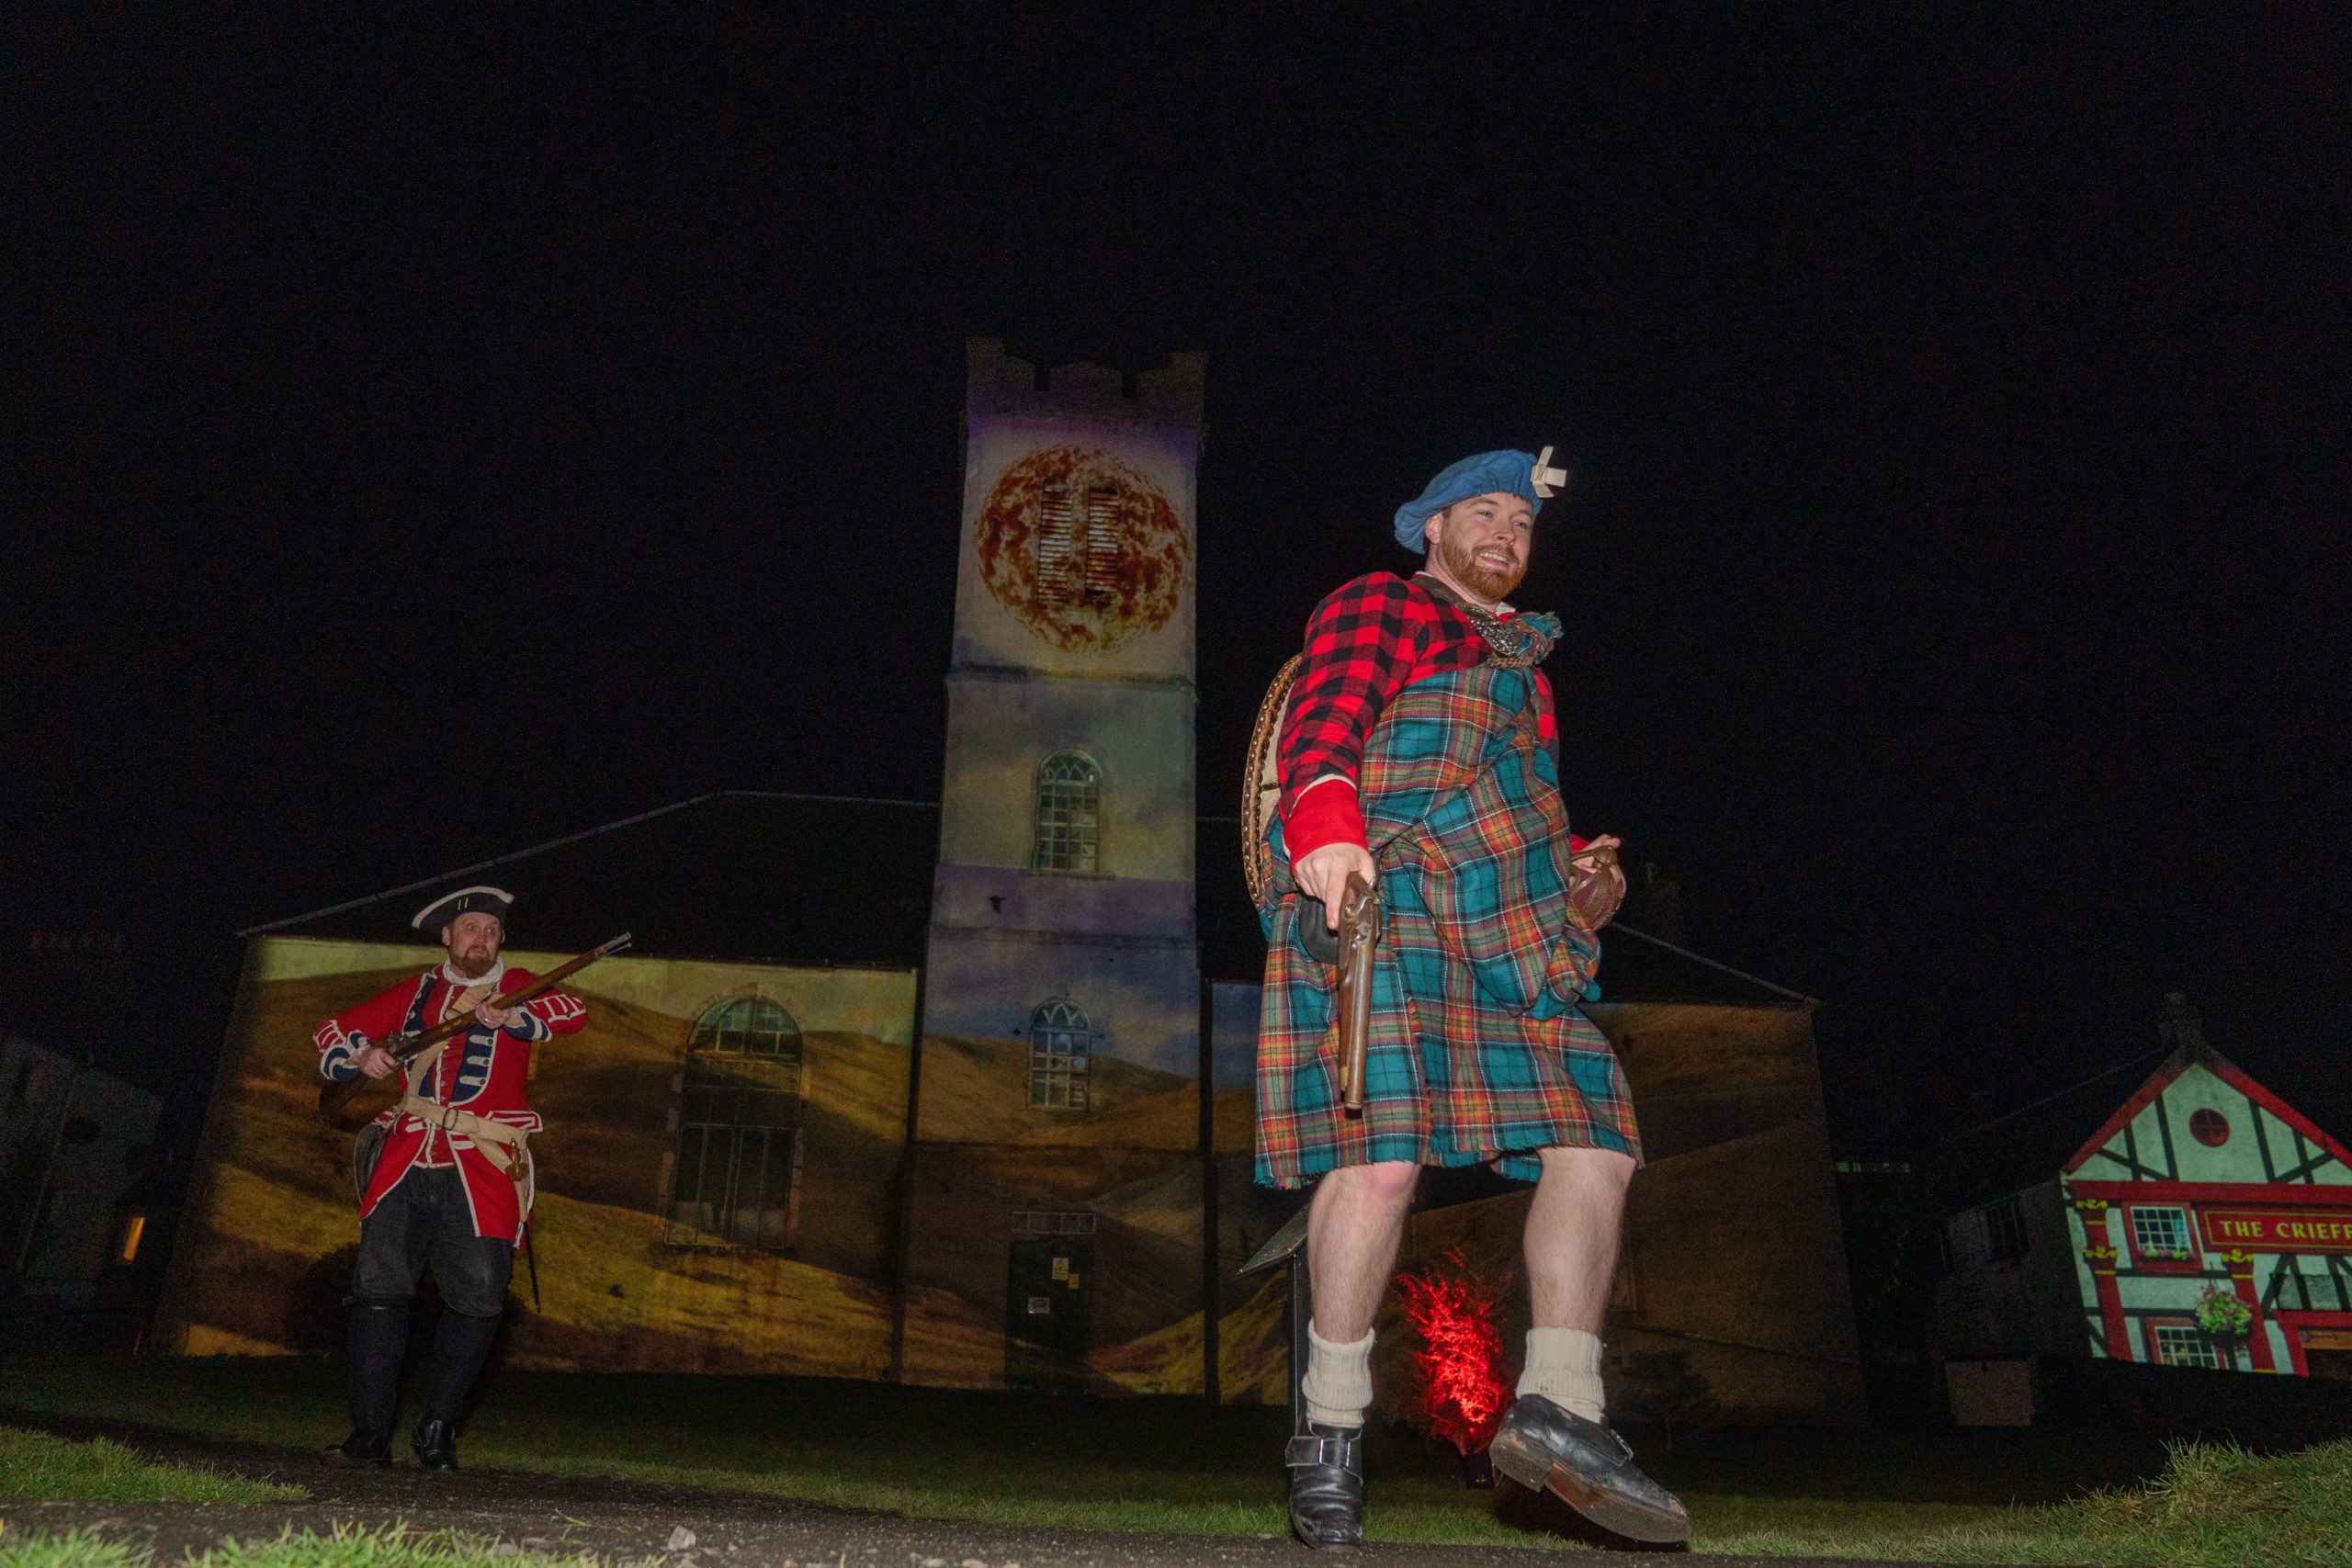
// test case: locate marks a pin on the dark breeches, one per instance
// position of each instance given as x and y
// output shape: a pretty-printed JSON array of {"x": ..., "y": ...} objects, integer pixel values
[{"x": 426, "y": 1219}]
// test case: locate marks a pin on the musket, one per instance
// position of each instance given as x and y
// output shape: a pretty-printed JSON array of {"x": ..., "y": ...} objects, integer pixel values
[
  {"x": 336, "y": 1096},
  {"x": 1359, "y": 935}
]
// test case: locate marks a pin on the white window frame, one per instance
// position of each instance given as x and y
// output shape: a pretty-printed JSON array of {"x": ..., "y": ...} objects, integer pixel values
[
  {"x": 2184, "y": 1345},
  {"x": 1061, "y": 1057},
  {"x": 2142, "y": 1247},
  {"x": 1068, "y": 836}
]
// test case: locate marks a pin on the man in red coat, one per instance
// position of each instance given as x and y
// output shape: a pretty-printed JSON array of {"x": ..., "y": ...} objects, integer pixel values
[{"x": 451, "y": 1178}]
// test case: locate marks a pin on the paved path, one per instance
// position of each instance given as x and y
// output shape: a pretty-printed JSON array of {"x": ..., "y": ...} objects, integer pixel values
[{"x": 685, "y": 1528}]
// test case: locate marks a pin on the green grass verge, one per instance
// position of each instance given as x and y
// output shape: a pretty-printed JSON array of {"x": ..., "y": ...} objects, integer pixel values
[
  {"x": 34, "y": 1464},
  {"x": 82, "y": 1549},
  {"x": 1178, "y": 1466},
  {"x": 2213, "y": 1504},
  {"x": 393, "y": 1547}
]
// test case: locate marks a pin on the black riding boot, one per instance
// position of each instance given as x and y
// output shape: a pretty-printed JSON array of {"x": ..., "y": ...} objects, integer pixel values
[
  {"x": 377, "y": 1337},
  {"x": 460, "y": 1346}
]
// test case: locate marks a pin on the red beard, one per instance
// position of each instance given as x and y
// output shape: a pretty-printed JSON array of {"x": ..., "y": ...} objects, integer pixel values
[{"x": 1462, "y": 563}]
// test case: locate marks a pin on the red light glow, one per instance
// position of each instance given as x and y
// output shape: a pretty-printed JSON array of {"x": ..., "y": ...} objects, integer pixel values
[{"x": 1461, "y": 1354}]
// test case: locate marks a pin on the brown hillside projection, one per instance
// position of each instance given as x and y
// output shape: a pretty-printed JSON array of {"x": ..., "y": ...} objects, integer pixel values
[
  {"x": 1168, "y": 1360},
  {"x": 609, "y": 1137},
  {"x": 1678, "y": 1048},
  {"x": 1148, "y": 1256},
  {"x": 1166, "y": 1204},
  {"x": 269, "y": 1237},
  {"x": 1253, "y": 1341},
  {"x": 1721, "y": 1265},
  {"x": 1145, "y": 1249},
  {"x": 1701, "y": 1075},
  {"x": 861, "y": 1080},
  {"x": 975, "y": 1090},
  {"x": 1234, "y": 1125},
  {"x": 267, "y": 1300},
  {"x": 606, "y": 1096},
  {"x": 265, "y": 1121},
  {"x": 949, "y": 1344},
  {"x": 616, "y": 1299},
  {"x": 1743, "y": 1266},
  {"x": 1169, "y": 1121}
]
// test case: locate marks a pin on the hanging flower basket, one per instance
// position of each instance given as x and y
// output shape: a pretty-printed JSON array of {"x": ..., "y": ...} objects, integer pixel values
[{"x": 2221, "y": 1313}]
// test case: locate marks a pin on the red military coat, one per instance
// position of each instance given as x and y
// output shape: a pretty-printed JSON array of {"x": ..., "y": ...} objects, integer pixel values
[{"x": 485, "y": 1071}]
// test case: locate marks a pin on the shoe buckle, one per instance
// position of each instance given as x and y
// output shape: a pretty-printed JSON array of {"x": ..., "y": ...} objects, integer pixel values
[{"x": 1307, "y": 1449}]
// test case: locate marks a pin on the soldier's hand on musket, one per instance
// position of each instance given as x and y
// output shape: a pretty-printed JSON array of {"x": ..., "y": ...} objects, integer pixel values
[
  {"x": 1323, "y": 874},
  {"x": 375, "y": 1062},
  {"x": 494, "y": 1016}
]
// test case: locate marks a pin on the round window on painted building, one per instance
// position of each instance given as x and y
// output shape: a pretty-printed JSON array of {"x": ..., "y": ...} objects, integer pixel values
[{"x": 2209, "y": 1128}]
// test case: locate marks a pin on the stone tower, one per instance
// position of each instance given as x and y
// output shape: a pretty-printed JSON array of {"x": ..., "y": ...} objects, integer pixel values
[{"x": 1058, "y": 1093}]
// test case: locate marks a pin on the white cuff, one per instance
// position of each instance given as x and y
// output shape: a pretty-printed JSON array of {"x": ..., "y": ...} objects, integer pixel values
[{"x": 1327, "y": 778}]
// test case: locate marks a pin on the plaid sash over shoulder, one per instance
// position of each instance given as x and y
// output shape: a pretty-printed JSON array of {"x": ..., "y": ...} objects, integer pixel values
[{"x": 1478, "y": 1051}]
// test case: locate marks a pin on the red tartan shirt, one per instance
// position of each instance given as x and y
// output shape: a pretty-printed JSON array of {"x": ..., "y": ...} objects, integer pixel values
[{"x": 1365, "y": 643}]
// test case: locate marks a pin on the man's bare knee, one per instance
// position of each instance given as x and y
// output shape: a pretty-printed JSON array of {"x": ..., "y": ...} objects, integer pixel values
[
  {"x": 1387, "y": 1183},
  {"x": 1581, "y": 1163}
]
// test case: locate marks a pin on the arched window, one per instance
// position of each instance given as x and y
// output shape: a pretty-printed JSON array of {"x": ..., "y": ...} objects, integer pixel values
[
  {"x": 737, "y": 1177},
  {"x": 1061, "y": 1049},
  {"x": 1069, "y": 798},
  {"x": 751, "y": 1025}
]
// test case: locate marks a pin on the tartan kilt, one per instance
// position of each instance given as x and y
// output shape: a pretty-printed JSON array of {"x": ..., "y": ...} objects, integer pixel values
[{"x": 1462, "y": 1066}]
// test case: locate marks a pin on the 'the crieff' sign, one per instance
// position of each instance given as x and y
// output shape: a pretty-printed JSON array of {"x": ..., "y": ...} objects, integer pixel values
[{"x": 2278, "y": 1230}]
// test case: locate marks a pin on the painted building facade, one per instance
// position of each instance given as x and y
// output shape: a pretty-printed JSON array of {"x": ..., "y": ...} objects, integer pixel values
[
  {"x": 1058, "y": 1110},
  {"x": 706, "y": 1197},
  {"x": 2205, "y": 1181},
  {"x": 2204, "y": 1221},
  {"x": 937, "y": 1092}
]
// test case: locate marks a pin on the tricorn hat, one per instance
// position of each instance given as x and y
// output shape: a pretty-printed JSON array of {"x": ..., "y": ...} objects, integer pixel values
[{"x": 465, "y": 900}]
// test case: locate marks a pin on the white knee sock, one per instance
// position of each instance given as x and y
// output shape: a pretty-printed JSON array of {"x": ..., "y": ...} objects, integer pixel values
[
  {"x": 1564, "y": 1366},
  {"x": 1338, "y": 1385}
]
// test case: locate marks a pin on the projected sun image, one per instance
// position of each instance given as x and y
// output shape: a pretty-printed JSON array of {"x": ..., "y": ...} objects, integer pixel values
[{"x": 1083, "y": 547}]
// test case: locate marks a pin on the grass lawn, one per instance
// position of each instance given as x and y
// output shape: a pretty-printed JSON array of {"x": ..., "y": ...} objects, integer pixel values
[
  {"x": 390, "y": 1547},
  {"x": 34, "y": 1464},
  {"x": 1178, "y": 1466}
]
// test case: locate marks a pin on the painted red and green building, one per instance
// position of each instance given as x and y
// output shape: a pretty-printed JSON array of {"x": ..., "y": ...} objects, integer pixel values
[
  {"x": 2205, "y": 1222},
  {"x": 2204, "y": 1184}
]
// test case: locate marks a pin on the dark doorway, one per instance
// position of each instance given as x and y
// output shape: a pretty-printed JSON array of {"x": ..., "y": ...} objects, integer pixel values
[
  {"x": 1049, "y": 1284},
  {"x": 2327, "y": 1351}
]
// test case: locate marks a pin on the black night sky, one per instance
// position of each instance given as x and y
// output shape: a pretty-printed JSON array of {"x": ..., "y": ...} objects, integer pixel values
[{"x": 433, "y": 433}]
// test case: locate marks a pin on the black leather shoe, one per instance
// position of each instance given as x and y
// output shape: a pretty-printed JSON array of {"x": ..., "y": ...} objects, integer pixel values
[
  {"x": 361, "y": 1450},
  {"x": 436, "y": 1445},
  {"x": 1327, "y": 1486},
  {"x": 1587, "y": 1466}
]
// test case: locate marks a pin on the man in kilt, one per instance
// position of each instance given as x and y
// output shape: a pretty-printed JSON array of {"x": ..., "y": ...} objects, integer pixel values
[{"x": 1420, "y": 752}]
